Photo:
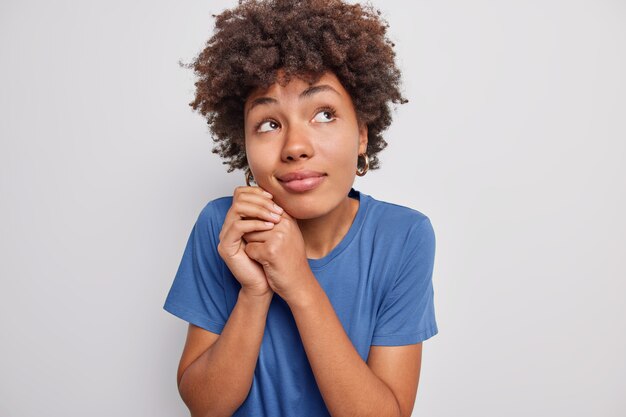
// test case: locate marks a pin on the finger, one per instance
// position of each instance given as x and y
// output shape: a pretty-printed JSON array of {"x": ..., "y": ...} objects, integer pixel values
[
  {"x": 252, "y": 195},
  {"x": 257, "y": 236},
  {"x": 254, "y": 190},
  {"x": 245, "y": 210},
  {"x": 249, "y": 203},
  {"x": 260, "y": 200},
  {"x": 254, "y": 251},
  {"x": 233, "y": 233}
]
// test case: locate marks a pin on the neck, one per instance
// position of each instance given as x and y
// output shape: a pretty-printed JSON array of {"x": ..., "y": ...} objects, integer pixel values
[{"x": 322, "y": 234}]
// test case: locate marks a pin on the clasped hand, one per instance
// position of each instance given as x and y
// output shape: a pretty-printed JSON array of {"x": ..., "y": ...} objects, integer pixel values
[{"x": 263, "y": 252}]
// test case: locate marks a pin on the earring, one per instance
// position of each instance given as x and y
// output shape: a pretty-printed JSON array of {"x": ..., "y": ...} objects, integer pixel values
[
  {"x": 362, "y": 172},
  {"x": 249, "y": 177}
]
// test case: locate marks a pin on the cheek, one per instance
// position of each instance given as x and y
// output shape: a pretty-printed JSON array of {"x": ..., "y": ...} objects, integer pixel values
[
  {"x": 341, "y": 163},
  {"x": 261, "y": 161},
  {"x": 343, "y": 151},
  {"x": 254, "y": 154}
]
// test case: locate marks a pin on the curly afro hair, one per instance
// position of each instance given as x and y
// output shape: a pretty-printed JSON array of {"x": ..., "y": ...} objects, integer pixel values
[{"x": 303, "y": 38}]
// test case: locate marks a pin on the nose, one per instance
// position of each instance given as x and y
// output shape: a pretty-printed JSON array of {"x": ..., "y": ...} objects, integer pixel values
[{"x": 297, "y": 144}]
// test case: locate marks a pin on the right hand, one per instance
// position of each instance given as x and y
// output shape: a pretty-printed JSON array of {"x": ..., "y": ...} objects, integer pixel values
[{"x": 249, "y": 212}]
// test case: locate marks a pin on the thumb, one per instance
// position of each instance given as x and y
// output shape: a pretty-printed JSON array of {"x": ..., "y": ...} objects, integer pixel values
[{"x": 254, "y": 251}]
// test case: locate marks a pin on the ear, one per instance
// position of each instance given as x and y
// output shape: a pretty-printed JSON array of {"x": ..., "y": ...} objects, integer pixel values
[{"x": 362, "y": 138}]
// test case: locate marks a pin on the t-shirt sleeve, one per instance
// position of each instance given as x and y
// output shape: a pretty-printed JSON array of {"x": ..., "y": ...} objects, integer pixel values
[
  {"x": 407, "y": 314},
  {"x": 197, "y": 294}
]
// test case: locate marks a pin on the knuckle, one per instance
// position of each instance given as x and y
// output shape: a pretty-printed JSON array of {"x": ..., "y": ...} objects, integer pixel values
[
  {"x": 224, "y": 231},
  {"x": 272, "y": 251}
]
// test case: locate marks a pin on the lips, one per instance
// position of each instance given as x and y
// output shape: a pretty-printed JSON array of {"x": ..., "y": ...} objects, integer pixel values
[
  {"x": 299, "y": 175},
  {"x": 301, "y": 181}
]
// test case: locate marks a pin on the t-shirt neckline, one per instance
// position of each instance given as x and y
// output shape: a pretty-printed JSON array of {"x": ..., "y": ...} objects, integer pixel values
[{"x": 352, "y": 232}]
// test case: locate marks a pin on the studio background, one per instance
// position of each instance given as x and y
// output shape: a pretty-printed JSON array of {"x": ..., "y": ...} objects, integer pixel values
[{"x": 513, "y": 143}]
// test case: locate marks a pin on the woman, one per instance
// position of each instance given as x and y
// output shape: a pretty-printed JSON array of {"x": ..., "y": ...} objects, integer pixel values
[{"x": 303, "y": 295}]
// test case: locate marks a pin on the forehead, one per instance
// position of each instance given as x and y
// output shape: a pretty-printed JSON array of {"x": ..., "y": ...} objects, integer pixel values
[{"x": 296, "y": 85}]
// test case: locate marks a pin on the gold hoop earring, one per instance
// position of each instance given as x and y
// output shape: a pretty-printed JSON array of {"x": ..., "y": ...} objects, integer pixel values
[
  {"x": 362, "y": 172},
  {"x": 249, "y": 177}
]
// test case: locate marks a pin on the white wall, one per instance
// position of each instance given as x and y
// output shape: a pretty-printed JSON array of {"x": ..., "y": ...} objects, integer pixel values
[{"x": 513, "y": 143}]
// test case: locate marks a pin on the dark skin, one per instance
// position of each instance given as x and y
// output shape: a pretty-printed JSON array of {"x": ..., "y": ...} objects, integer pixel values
[
  {"x": 268, "y": 255},
  {"x": 306, "y": 38},
  {"x": 287, "y": 132}
]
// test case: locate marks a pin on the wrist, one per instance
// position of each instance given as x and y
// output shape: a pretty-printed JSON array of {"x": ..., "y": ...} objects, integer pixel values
[
  {"x": 256, "y": 297},
  {"x": 307, "y": 295}
]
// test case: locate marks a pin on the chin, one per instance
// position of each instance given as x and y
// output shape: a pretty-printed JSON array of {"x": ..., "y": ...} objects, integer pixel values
[
  {"x": 299, "y": 208},
  {"x": 303, "y": 213},
  {"x": 304, "y": 207},
  {"x": 309, "y": 205}
]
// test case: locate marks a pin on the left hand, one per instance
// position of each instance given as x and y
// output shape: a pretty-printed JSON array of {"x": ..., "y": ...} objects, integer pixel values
[{"x": 282, "y": 254}]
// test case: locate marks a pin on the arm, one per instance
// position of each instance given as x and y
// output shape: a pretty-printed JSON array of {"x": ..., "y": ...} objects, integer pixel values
[
  {"x": 217, "y": 382},
  {"x": 348, "y": 385}
]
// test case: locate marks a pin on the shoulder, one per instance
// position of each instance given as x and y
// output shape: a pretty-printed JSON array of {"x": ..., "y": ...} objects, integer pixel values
[
  {"x": 214, "y": 212},
  {"x": 387, "y": 217}
]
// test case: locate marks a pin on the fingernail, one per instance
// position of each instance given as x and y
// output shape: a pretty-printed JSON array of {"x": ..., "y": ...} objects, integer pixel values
[
  {"x": 275, "y": 216},
  {"x": 278, "y": 208},
  {"x": 269, "y": 224},
  {"x": 267, "y": 194}
]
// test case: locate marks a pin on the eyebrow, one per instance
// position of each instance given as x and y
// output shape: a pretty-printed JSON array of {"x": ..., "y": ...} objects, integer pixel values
[{"x": 305, "y": 94}]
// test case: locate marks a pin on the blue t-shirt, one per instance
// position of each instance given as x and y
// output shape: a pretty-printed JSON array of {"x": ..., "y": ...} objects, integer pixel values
[{"x": 378, "y": 279}]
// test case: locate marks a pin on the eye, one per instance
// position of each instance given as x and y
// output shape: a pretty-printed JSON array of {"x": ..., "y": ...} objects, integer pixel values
[
  {"x": 266, "y": 126},
  {"x": 325, "y": 115}
]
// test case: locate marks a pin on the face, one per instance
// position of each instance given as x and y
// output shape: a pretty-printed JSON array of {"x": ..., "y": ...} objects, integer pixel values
[{"x": 303, "y": 130}]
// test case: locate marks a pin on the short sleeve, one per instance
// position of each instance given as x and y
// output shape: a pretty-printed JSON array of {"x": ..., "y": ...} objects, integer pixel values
[
  {"x": 407, "y": 314},
  {"x": 197, "y": 294}
]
